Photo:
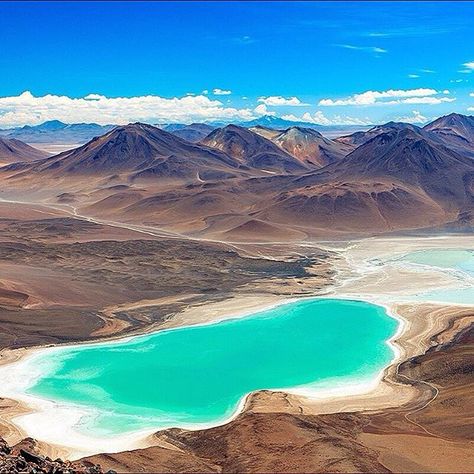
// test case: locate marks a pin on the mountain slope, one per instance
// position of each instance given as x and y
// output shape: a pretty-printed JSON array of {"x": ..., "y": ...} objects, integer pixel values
[
  {"x": 140, "y": 151},
  {"x": 412, "y": 157},
  {"x": 310, "y": 147},
  {"x": 266, "y": 132},
  {"x": 192, "y": 133},
  {"x": 13, "y": 150},
  {"x": 400, "y": 179},
  {"x": 253, "y": 150},
  {"x": 359, "y": 138},
  {"x": 456, "y": 131}
]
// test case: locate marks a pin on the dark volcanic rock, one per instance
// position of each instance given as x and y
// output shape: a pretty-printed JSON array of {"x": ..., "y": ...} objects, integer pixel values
[{"x": 19, "y": 459}]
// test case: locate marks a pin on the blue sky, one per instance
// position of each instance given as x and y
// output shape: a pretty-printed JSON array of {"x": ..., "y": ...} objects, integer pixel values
[{"x": 283, "y": 58}]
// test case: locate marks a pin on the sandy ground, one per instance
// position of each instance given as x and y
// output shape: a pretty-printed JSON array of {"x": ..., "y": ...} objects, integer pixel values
[{"x": 360, "y": 276}]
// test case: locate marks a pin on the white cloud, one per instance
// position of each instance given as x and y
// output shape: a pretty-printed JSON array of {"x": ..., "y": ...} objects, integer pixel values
[
  {"x": 218, "y": 91},
  {"x": 29, "y": 109},
  {"x": 368, "y": 49},
  {"x": 413, "y": 76},
  {"x": 426, "y": 100},
  {"x": 320, "y": 119},
  {"x": 395, "y": 96},
  {"x": 278, "y": 100},
  {"x": 261, "y": 109},
  {"x": 416, "y": 117},
  {"x": 467, "y": 67},
  {"x": 93, "y": 97}
]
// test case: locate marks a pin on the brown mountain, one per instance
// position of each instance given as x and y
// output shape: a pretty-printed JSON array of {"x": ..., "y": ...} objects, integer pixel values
[
  {"x": 141, "y": 151},
  {"x": 193, "y": 133},
  {"x": 253, "y": 150},
  {"x": 456, "y": 131},
  {"x": 401, "y": 179},
  {"x": 266, "y": 132},
  {"x": 359, "y": 138},
  {"x": 412, "y": 156},
  {"x": 13, "y": 150},
  {"x": 310, "y": 147}
]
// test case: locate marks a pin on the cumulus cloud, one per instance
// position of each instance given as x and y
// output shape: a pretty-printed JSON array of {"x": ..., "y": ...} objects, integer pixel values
[
  {"x": 29, "y": 109},
  {"x": 218, "y": 91},
  {"x": 261, "y": 109},
  {"x": 389, "y": 97},
  {"x": 319, "y": 118},
  {"x": 279, "y": 100},
  {"x": 416, "y": 117},
  {"x": 368, "y": 49}
]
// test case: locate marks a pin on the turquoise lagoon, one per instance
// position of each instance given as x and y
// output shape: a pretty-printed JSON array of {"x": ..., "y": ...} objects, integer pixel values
[
  {"x": 199, "y": 374},
  {"x": 458, "y": 262}
]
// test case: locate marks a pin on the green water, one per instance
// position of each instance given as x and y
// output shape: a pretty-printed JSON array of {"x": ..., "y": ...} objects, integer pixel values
[
  {"x": 451, "y": 259},
  {"x": 199, "y": 374},
  {"x": 460, "y": 261}
]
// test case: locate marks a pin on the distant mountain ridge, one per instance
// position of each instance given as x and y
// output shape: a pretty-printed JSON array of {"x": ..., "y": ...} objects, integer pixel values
[
  {"x": 282, "y": 124},
  {"x": 55, "y": 131}
]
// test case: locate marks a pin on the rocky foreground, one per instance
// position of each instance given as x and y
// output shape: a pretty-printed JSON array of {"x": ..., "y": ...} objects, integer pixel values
[{"x": 24, "y": 458}]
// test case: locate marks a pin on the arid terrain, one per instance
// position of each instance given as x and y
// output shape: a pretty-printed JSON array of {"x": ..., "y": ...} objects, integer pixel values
[{"x": 141, "y": 229}]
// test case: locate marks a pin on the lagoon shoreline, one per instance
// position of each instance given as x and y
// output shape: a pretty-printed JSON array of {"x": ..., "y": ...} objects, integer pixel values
[{"x": 419, "y": 323}]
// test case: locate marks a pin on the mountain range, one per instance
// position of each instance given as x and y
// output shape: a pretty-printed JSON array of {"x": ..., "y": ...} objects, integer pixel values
[
  {"x": 264, "y": 183},
  {"x": 55, "y": 131}
]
